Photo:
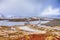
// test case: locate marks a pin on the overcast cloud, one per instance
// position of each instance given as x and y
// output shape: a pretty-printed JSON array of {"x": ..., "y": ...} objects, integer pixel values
[{"x": 45, "y": 8}]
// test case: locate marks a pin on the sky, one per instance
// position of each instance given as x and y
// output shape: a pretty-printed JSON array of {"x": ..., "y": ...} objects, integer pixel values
[{"x": 42, "y": 8}]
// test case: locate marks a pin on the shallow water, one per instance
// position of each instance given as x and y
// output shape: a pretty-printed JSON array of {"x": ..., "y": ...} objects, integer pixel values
[{"x": 7, "y": 23}]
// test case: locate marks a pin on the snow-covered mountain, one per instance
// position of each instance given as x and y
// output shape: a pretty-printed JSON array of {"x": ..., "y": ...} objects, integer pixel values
[
  {"x": 9, "y": 16},
  {"x": 15, "y": 17}
]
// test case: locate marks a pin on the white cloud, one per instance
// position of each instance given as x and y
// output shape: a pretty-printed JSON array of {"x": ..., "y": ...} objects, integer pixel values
[
  {"x": 27, "y": 8},
  {"x": 17, "y": 7},
  {"x": 50, "y": 12}
]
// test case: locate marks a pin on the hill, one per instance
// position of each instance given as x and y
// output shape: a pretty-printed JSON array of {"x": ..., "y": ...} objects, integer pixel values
[{"x": 55, "y": 22}]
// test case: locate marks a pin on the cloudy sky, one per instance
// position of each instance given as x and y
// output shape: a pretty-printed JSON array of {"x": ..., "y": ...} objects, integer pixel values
[{"x": 43, "y": 8}]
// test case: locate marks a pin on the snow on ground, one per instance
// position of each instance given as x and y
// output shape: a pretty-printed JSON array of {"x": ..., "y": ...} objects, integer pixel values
[{"x": 26, "y": 28}]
